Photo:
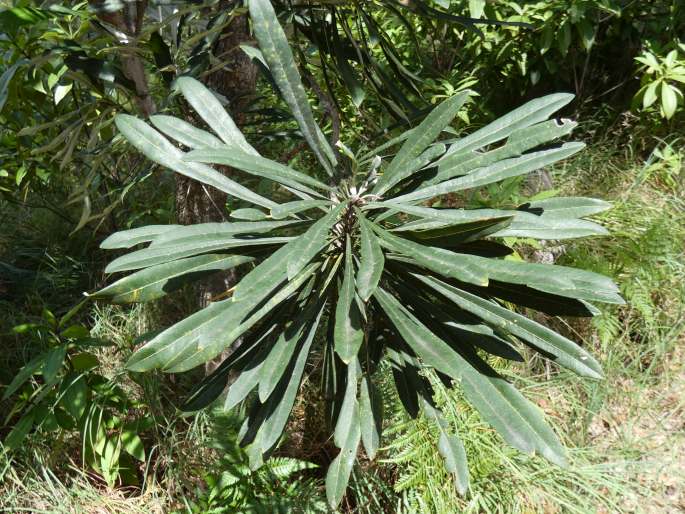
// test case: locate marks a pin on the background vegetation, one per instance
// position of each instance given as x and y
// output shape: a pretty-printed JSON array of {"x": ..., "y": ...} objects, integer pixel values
[{"x": 67, "y": 180}]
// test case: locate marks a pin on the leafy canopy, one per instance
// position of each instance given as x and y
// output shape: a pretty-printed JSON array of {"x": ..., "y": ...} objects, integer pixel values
[{"x": 355, "y": 269}]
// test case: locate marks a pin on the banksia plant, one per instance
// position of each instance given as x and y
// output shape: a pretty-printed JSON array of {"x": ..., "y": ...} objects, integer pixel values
[{"x": 355, "y": 267}]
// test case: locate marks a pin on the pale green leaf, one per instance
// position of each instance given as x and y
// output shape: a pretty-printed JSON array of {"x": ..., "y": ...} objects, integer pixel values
[
  {"x": 277, "y": 53},
  {"x": 210, "y": 109},
  {"x": 257, "y": 165},
  {"x": 184, "y": 132},
  {"x": 429, "y": 129},
  {"x": 158, "y": 149},
  {"x": 157, "y": 281}
]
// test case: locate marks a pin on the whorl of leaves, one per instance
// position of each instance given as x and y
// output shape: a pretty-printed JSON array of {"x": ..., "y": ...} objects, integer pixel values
[{"x": 363, "y": 270}]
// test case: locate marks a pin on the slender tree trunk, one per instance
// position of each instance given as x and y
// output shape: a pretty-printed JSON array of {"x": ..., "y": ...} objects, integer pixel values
[
  {"x": 125, "y": 24},
  {"x": 195, "y": 202}
]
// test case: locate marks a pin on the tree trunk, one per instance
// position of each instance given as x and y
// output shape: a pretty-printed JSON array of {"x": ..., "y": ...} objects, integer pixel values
[
  {"x": 195, "y": 202},
  {"x": 125, "y": 23}
]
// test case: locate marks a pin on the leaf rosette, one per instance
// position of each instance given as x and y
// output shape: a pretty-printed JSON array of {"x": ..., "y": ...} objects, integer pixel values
[{"x": 357, "y": 269}]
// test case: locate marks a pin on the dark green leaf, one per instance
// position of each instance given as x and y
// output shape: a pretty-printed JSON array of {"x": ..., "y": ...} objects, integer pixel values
[
  {"x": 370, "y": 416},
  {"x": 306, "y": 246},
  {"x": 348, "y": 332},
  {"x": 372, "y": 261},
  {"x": 53, "y": 362},
  {"x": 565, "y": 352},
  {"x": 26, "y": 372}
]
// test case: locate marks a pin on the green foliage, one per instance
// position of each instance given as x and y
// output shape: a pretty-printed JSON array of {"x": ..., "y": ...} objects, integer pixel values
[
  {"x": 585, "y": 46},
  {"x": 662, "y": 78},
  {"x": 60, "y": 390},
  {"x": 433, "y": 279},
  {"x": 231, "y": 486}
]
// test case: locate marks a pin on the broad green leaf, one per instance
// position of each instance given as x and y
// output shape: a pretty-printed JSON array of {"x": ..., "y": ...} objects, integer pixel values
[
  {"x": 276, "y": 50},
  {"x": 210, "y": 109},
  {"x": 348, "y": 332},
  {"x": 555, "y": 279},
  {"x": 526, "y": 224},
  {"x": 547, "y": 225},
  {"x": 450, "y": 264},
  {"x": 74, "y": 394},
  {"x": 669, "y": 100},
  {"x": 246, "y": 381},
  {"x": 427, "y": 131},
  {"x": 417, "y": 164},
  {"x": 184, "y": 132},
  {"x": 452, "y": 451},
  {"x": 307, "y": 245},
  {"x": 212, "y": 385},
  {"x": 6, "y": 79},
  {"x": 286, "y": 209},
  {"x": 372, "y": 261},
  {"x": 84, "y": 361},
  {"x": 401, "y": 373},
  {"x": 516, "y": 419},
  {"x": 53, "y": 362},
  {"x": 203, "y": 335},
  {"x": 568, "y": 206},
  {"x": 446, "y": 217},
  {"x": 249, "y": 214},
  {"x": 257, "y": 165},
  {"x": 501, "y": 170},
  {"x": 650, "y": 95},
  {"x": 267, "y": 275},
  {"x": 519, "y": 422},
  {"x": 370, "y": 416},
  {"x": 206, "y": 351},
  {"x": 155, "y": 255},
  {"x": 135, "y": 236},
  {"x": 158, "y": 149},
  {"x": 338, "y": 474},
  {"x": 132, "y": 443},
  {"x": 19, "y": 431},
  {"x": 157, "y": 281},
  {"x": 456, "y": 235},
  {"x": 457, "y": 327},
  {"x": 433, "y": 351},
  {"x": 564, "y": 352}
]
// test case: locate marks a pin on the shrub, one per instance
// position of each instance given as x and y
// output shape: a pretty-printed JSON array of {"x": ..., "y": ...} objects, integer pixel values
[{"x": 354, "y": 269}]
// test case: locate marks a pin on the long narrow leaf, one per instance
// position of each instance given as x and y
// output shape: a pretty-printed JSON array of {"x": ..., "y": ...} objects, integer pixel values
[
  {"x": 210, "y": 109},
  {"x": 348, "y": 332},
  {"x": 279, "y": 56}
]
